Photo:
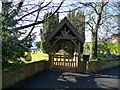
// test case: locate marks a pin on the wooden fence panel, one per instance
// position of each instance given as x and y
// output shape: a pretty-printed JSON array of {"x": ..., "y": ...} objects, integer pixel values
[{"x": 65, "y": 61}]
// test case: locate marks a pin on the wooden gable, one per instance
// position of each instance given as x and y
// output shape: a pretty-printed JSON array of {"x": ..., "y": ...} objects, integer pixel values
[{"x": 65, "y": 21}]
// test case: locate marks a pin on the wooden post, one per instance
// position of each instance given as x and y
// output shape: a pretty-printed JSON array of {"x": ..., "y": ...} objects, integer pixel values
[
  {"x": 68, "y": 60},
  {"x": 64, "y": 60},
  {"x": 79, "y": 57},
  {"x": 75, "y": 62},
  {"x": 57, "y": 61},
  {"x": 51, "y": 62},
  {"x": 60, "y": 61}
]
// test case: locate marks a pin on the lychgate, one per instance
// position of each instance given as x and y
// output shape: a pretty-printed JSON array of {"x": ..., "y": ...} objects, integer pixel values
[{"x": 65, "y": 36}]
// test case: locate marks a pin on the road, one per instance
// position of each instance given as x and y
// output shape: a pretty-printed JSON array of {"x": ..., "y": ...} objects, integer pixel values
[{"x": 108, "y": 79}]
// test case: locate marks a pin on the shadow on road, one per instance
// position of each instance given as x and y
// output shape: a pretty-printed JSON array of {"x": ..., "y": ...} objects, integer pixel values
[
  {"x": 57, "y": 79},
  {"x": 111, "y": 73},
  {"x": 76, "y": 80}
]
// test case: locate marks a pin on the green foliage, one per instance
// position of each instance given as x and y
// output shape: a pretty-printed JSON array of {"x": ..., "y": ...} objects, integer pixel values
[
  {"x": 38, "y": 44},
  {"x": 12, "y": 50},
  {"x": 77, "y": 19},
  {"x": 101, "y": 47},
  {"x": 90, "y": 46},
  {"x": 48, "y": 27},
  {"x": 45, "y": 47},
  {"x": 86, "y": 46},
  {"x": 12, "y": 47},
  {"x": 108, "y": 46}
]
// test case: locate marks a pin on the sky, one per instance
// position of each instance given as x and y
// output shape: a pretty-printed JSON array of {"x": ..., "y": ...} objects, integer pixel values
[
  {"x": 0, "y": 6},
  {"x": 62, "y": 15}
]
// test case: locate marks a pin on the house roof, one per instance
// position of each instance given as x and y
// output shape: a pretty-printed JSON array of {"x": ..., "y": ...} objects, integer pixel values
[{"x": 60, "y": 25}]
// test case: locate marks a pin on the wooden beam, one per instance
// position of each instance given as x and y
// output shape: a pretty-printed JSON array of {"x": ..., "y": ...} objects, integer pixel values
[
  {"x": 64, "y": 37},
  {"x": 70, "y": 26},
  {"x": 78, "y": 51}
]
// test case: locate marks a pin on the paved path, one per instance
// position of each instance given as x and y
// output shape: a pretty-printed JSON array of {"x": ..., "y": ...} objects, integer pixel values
[{"x": 56, "y": 79}]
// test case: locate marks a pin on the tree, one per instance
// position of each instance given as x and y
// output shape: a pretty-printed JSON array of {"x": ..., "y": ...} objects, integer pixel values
[
  {"x": 48, "y": 27},
  {"x": 12, "y": 47},
  {"x": 77, "y": 19},
  {"x": 14, "y": 22},
  {"x": 98, "y": 18},
  {"x": 39, "y": 8},
  {"x": 94, "y": 23}
]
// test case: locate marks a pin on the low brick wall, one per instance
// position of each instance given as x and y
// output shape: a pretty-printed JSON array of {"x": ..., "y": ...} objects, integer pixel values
[
  {"x": 23, "y": 72},
  {"x": 92, "y": 66}
]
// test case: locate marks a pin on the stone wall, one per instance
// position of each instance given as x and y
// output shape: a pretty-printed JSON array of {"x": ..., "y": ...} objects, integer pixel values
[
  {"x": 92, "y": 66},
  {"x": 11, "y": 77},
  {"x": 82, "y": 66}
]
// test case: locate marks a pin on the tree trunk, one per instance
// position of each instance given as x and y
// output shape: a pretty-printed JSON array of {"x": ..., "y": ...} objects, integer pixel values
[
  {"x": 95, "y": 30},
  {"x": 94, "y": 45}
]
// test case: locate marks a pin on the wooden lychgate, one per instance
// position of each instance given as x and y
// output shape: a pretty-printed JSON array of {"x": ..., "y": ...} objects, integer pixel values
[{"x": 65, "y": 36}]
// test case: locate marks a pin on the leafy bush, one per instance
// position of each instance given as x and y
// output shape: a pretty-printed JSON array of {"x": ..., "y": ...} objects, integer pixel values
[
  {"x": 38, "y": 44},
  {"x": 112, "y": 47}
]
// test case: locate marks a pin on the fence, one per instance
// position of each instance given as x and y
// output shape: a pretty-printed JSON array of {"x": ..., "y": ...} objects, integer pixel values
[{"x": 65, "y": 61}]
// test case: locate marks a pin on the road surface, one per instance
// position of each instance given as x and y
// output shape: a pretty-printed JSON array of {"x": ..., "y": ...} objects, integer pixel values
[{"x": 109, "y": 79}]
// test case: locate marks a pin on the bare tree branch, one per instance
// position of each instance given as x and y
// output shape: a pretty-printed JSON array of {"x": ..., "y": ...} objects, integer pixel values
[
  {"x": 33, "y": 25},
  {"x": 33, "y": 11},
  {"x": 38, "y": 22},
  {"x": 94, "y": 9}
]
